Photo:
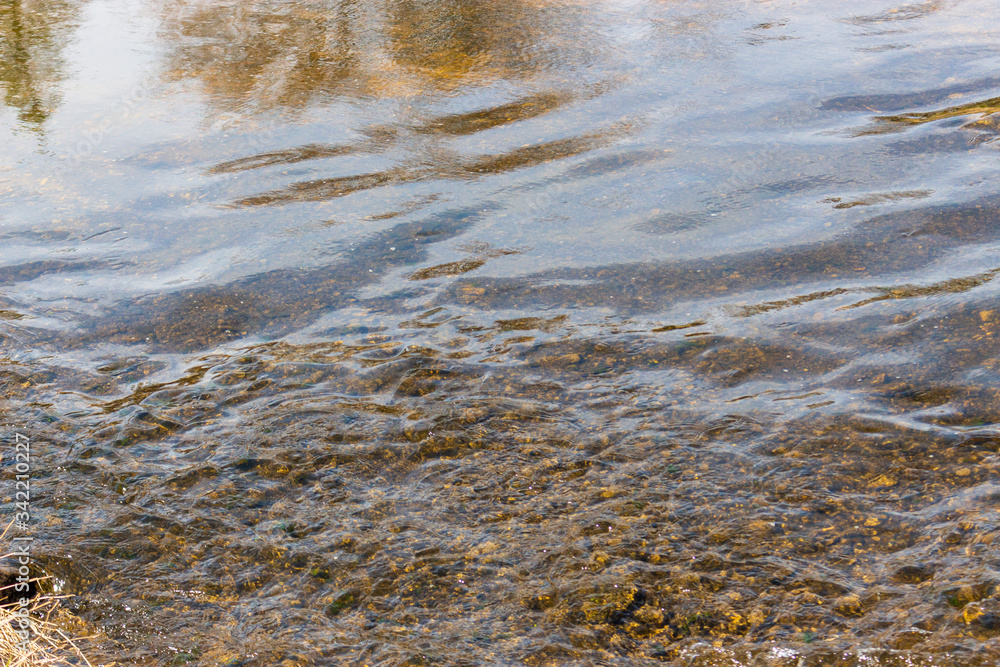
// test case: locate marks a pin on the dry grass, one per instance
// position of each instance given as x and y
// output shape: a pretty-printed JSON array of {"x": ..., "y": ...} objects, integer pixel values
[{"x": 47, "y": 644}]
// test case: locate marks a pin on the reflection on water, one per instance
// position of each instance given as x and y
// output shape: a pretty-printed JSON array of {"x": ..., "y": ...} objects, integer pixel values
[
  {"x": 259, "y": 55},
  {"x": 31, "y": 37},
  {"x": 474, "y": 333}
]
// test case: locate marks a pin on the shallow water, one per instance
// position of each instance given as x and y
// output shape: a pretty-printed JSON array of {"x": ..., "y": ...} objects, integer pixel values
[{"x": 534, "y": 332}]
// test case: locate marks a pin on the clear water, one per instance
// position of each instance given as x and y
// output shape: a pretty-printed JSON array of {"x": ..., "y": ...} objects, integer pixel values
[{"x": 474, "y": 333}]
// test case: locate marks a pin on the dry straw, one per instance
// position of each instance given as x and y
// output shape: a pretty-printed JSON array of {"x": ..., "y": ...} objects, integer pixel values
[{"x": 47, "y": 644}]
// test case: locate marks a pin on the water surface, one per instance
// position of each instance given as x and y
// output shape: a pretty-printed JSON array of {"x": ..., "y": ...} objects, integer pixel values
[{"x": 535, "y": 332}]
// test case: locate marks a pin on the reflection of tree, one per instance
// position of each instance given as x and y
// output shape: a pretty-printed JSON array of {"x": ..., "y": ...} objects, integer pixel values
[
  {"x": 31, "y": 34},
  {"x": 456, "y": 39},
  {"x": 264, "y": 54}
]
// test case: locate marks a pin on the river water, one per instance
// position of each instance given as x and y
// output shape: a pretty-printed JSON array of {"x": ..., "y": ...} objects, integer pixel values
[{"x": 545, "y": 332}]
